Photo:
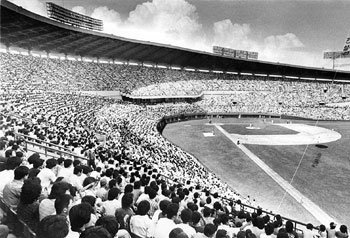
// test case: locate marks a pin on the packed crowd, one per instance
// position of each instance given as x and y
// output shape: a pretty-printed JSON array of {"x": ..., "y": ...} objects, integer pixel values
[
  {"x": 123, "y": 189},
  {"x": 266, "y": 103},
  {"x": 135, "y": 183},
  {"x": 25, "y": 72},
  {"x": 307, "y": 90}
]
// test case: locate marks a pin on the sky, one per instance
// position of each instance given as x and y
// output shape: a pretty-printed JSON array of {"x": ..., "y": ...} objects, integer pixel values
[{"x": 286, "y": 31}]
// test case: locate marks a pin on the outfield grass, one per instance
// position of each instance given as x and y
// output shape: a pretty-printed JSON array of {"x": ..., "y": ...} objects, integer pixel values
[
  {"x": 326, "y": 183},
  {"x": 324, "y": 173}
]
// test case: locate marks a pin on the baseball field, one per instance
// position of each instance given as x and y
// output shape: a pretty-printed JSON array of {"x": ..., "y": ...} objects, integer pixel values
[{"x": 299, "y": 169}]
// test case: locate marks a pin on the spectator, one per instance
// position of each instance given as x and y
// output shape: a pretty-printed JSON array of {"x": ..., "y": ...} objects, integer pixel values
[
  {"x": 112, "y": 204},
  {"x": 322, "y": 231},
  {"x": 12, "y": 190},
  {"x": 7, "y": 175},
  {"x": 178, "y": 233},
  {"x": 47, "y": 205},
  {"x": 197, "y": 222},
  {"x": 331, "y": 231},
  {"x": 269, "y": 229},
  {"x": 167, "y": 224},
  {"x": 126, "y": 210},
  {"x": 186, "y": 217},
  {"x": 54, "y": 226},
  {"x": 290, "y": 230},
  {"x": 309, "y": 233},
  {"x": 62, "y": 204},
  {"x": 95, "y": 232},
  {"x": 221, "y": 233},
  {"x": 28, "y": 207},
  {"x": 81, "y": 217},
  {"x": 111, "y": 224},
  {"x": 47, "y": 175},
  {"x": 67, "y": 170},
  {"x": 140, "y": 224},
  {"x": 209, "y": 231},
  {"x": 343, "y": 232}
]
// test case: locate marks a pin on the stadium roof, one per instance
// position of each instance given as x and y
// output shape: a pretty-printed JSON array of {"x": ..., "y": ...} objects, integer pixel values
[{"x": 24, "y": 29}]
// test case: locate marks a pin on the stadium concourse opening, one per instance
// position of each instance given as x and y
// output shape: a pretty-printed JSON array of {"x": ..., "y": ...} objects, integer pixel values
[{"x": 82, "y": 115}]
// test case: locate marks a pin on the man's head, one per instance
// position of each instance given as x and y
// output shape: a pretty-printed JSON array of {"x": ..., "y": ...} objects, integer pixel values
[
  {"x": 21, "y": 173},
  {"x": 78, "y": 170},
  {"x": 95, "y": 232},
  {"x": 80, "y": 216},
  {"x": 113, "y": 193},
  {"x": 110, "y": 223},
  {"x": 172, "y": 210},
  {"x": 13, "y": 162},
  {"x": 51, "y": 163},
  {"x": 143, "y": 208},
  {"x": 67, "y": 163},
  {"x": 53, "y": 226},
  {"x": 209, "y": 230},
  {"x": 186, "y": 215},
  {"x": 177, "y": 233},
  {"x": 62, "y": 204}
]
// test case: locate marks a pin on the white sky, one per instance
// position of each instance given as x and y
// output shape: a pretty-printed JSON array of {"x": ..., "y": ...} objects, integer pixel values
[{"x": 286, "y": 31}]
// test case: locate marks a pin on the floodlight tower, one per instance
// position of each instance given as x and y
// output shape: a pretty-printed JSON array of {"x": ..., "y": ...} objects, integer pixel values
[{"x": 338, "y": 54}]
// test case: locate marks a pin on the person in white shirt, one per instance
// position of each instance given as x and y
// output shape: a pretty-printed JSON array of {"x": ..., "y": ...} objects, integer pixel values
[
  {"x": 140, "y": 223},
  {"x": 166, "y": 224},
  {"x": 309, "y": 232},
  {"x": 331, "y": 230},
  {"x": 75, "y": 179},
  {"x": 186, "y": 217},
  {"x": 224, "y": 225},
  {"x": 8, "y": 175},
  {"x": 143, "y": 196},
  {"x": 47, "y": 175},
  {"x": 67, "y": 170},
  {"x": 112, "y": 204},
  {"x": 86, "y": 173}
]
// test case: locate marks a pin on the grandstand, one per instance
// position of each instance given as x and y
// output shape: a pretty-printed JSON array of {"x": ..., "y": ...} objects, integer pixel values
[{"x": 109, "y": 153}]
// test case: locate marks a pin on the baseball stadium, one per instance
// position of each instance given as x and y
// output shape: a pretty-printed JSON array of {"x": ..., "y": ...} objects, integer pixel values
[{"x": 108, "y": 136}]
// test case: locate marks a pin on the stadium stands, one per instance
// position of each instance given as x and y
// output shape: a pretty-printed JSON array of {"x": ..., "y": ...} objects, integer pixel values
[
  {"x": 134, "y": 170},
  {"x": 242, "y": 93},
  {"x": 134, "y": 152}
]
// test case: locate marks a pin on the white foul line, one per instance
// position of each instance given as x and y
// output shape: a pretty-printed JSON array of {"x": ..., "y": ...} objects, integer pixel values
[{"x": 311, "y": 207}]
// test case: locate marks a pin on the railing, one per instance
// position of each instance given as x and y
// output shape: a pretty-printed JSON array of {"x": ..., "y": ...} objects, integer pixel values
[{"x": 50, "y": 149}]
